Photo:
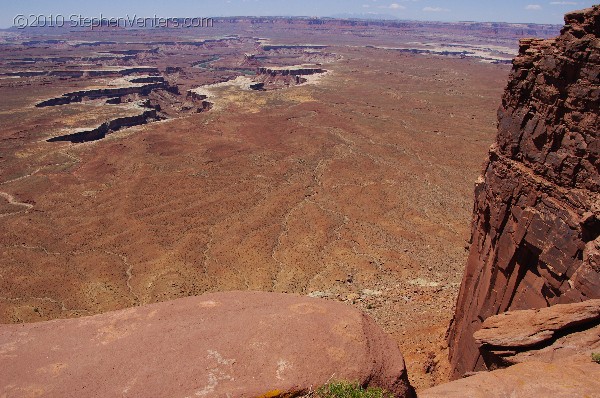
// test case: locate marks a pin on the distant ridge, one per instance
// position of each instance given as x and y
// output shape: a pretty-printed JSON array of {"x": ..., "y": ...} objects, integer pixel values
[{"x": 370, "y": 15}]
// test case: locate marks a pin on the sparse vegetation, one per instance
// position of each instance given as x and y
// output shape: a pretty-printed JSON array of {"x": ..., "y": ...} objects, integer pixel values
[
  {"x": 596, "y": 357},
  {"x": 350, "y": 390}
]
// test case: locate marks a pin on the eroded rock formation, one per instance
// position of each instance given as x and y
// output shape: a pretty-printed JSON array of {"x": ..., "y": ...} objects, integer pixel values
[
  {"x": 143, "y": 117},
  {"x": 134, "y": 85},
  {"x": 217, "y": 345},
  {"x": 537, "y": 207},
  {"x": 201, "y": 98},
  {"x": 546, "y": 334},
  {"x": 277, "y": 77},
  {"x": 290, "y": 71},
  {"x": 576, "y": 376},
  {"x": 118, "y": 71}
]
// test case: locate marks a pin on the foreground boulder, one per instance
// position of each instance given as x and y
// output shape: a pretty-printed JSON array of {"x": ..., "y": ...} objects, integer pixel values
[
  {"x": 536, "y": 223},
  {"x": 217, "y": 345},
  {"x": 576, "y": 376}
]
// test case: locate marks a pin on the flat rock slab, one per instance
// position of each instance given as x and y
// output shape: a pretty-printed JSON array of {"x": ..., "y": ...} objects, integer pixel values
[
  {"x": 530, "y": 327},
  {"x": 565, "y": 346},
  {"x": 238, "y": 344},
  {"x": 576, "y": 376}
]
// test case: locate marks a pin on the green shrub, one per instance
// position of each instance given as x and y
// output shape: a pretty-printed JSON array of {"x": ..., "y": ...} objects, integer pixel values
[
  {"x": 596, "y": 357},
  {"x": 350, "y": 390}
]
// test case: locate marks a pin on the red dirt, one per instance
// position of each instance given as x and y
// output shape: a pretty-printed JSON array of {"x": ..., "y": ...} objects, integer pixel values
[{"x": 357, "y": 188}]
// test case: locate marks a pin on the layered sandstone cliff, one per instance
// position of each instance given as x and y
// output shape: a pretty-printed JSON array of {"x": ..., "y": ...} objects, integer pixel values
[
  {"x": 547, "y": 352},
  {"x": 536, "y": 227}
]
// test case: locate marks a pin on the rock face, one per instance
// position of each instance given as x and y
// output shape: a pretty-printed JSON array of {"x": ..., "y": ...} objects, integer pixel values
[
  {"x": 268, "y": 78},
  {"x": 576, "y": 376},
  {"x": 290, "y": 71},
  {"x": 546, "y": 334},
  {"x": 145, "y": 116},
  {"x": 216, "y": 345},
  {"x": 537, "y": 207},
  {"x": 143, "y": 85}
]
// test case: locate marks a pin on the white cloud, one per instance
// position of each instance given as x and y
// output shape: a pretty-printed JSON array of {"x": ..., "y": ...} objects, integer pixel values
[
  {"x": 533, "y": 7},
  {"x": 393, "y": 6},
  {"x": 434, "y": 9},
  {"x": 564, "y": 3}
]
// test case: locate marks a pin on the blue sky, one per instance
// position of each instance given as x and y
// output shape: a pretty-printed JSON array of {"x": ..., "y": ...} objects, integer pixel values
[{"x": 536, "y": 11}]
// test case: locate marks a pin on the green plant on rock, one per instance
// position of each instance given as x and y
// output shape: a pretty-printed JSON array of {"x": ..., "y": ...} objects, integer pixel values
[
  {"x": 596, "y": 357},
  {"x": 350, "y": 390}
]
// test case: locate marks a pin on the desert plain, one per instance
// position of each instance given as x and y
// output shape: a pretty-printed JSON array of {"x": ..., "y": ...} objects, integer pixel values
[{"x": 314, "y": 157}]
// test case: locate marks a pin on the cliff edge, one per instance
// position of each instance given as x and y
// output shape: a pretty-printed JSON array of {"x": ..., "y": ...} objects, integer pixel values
[{"x": 535, "y": 235}]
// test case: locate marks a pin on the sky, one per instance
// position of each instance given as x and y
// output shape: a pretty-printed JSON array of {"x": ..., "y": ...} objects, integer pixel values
[{"x": 528, "y": 11}]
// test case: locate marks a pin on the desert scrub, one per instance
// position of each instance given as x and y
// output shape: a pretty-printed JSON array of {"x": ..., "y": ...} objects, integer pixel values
[
  {"x": 350, "y": 390},
  {"x": 596, "y": 357}
]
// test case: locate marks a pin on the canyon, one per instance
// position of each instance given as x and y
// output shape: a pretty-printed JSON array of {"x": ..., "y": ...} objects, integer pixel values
[
  {"x": 180, "y": 179},
  {"x": 300, "y": 190}
]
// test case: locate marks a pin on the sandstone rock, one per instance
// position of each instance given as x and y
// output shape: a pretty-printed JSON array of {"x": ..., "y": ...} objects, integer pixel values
[
  {"x": 118, "y": 88},
  {"x": 546, "y": 335},
  {"x": 300, "y": 70},
  {"x": 276, "y": 76},
  {"x": 217, "y": 345},
  {"x": 576, "y": 376},
  {"x": 144, "y": 116},
  {"x": 562, "y": 347},
  {"x": 530, "y": 327},
  {"x": 536, "y": 226}
]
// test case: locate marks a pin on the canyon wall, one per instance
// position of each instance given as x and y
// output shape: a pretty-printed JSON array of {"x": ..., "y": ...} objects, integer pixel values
[
  {"x": 289, "y": 71},
  {"x": 535, "y": 235}
]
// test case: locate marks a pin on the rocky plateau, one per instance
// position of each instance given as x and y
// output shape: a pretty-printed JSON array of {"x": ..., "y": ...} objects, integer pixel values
[{"x": 265, "y": 206}]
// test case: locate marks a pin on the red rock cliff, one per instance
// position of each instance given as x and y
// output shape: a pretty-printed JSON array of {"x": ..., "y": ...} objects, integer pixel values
[{"x": 537, "y": 210}]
